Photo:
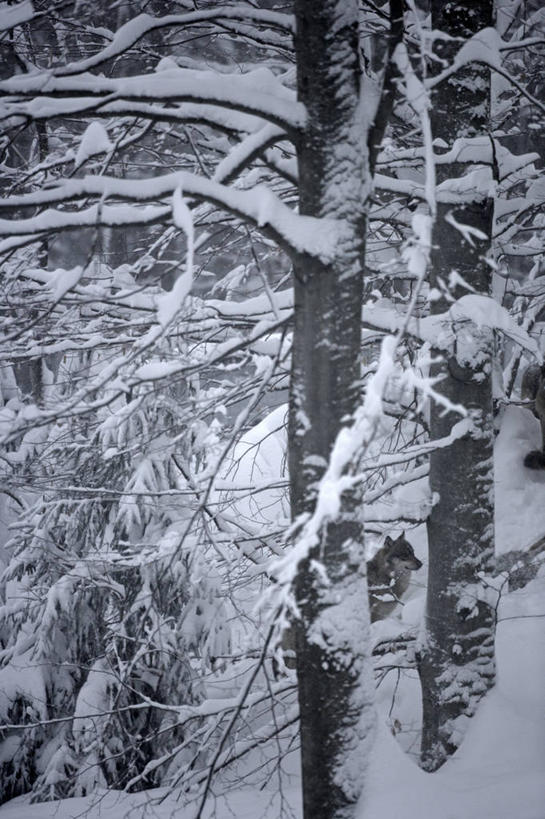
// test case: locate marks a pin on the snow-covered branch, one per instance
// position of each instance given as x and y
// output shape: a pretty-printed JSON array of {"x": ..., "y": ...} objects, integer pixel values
[
  {"x": 258, "y": 206},
  {"x": 144, "y": 24},
  {"x": 258, "y": 93}
]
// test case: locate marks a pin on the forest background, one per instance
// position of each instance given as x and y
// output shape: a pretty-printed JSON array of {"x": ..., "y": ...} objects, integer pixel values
[{"x": 270, "y": 277}]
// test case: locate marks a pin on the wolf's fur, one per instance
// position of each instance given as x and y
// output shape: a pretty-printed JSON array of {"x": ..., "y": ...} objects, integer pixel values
[
  {"x": 533, "y": 390},
  {"x": 388, "y": 577}
]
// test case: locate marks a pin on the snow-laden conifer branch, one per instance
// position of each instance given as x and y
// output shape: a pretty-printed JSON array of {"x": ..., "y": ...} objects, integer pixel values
[
  {"x": 209, "y": 481},
  {"x": 124, "y": 372},
  {"x": 189, "y": 775}
]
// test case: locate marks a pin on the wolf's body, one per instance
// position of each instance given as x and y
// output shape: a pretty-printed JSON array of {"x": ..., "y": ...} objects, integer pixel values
[
  {"x": 388, "y": 577},
  {"x": 533, "y": 390}
]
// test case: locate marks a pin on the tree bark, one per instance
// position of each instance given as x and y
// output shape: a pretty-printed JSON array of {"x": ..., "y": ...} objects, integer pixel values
[
  {"x": 456, "y": 660},
  {"x": 332, "y": 643}
]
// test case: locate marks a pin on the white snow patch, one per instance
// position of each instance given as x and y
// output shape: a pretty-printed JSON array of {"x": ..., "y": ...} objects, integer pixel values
[
  {"x": 95, "y": 140},
  {"x": 61, "y": 281},
  {"x": 11, "y": 16},
  {"x": 256, "y": 473},
  {"x": 520, "y": 492}
]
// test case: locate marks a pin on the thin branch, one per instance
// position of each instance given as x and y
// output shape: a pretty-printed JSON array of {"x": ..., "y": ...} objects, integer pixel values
[{"x": 389, "y": 86}]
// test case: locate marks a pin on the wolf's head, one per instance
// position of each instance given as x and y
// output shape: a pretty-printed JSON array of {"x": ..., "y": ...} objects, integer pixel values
[{"x": 400, "y": 554}]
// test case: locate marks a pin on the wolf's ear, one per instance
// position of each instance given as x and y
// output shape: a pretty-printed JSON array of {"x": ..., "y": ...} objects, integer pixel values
[{"x": 388, "y": 541}]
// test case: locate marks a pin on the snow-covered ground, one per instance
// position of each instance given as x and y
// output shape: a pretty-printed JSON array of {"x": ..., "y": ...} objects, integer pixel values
[{"x": 497, "y": 773}]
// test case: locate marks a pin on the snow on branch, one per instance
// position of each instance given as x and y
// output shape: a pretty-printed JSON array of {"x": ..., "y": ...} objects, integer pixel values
[
  {"x": 259, "y": 306},
  {"x": 243, "y": 153},
  {"x": 459, "y": 429},
  {"x": 45, "y": 108},
  {"x": 258, "y": 92},
  {"x": 475, "y": 150},
  {"x": 468, "y": 231},
  {"x": 335, "y": 481},
  {"x": 486, "y": 47},
  {"x": 472, "y": 187},
  {"x": 258, "y": 206},
  {"x": 90, "y": 217},
  {"x": 95, "y": 140},
  {"x": 11, "y": 16},
  {"x": 142, "y": 25},
  {"x": 482, "y": 311},
  {"x": 169, "y": 303}
]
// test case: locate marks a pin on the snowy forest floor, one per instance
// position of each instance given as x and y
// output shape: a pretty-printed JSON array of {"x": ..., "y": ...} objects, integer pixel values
[{"x": 498, "y": 772}]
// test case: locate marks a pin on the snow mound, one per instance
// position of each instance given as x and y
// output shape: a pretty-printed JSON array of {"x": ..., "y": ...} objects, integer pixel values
[
  {"x": 257, "y": 471},
  {"x": 520, "y": 492}
]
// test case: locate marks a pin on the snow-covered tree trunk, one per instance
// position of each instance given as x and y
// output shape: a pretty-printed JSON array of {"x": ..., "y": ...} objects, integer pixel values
[
  {"x": 333, "y": 663},
  {"x": 457, "y": 656}
]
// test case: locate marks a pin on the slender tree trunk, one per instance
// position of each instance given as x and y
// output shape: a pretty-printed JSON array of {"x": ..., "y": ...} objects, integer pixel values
[
  {"x": 333, "y": 657},
  {"x": 457, "y": 653}
]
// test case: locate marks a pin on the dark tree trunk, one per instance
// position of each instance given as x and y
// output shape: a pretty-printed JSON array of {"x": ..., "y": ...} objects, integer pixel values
[
  {"x": 457, "y": 653},
  {"x": 333, "y": 657}
]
